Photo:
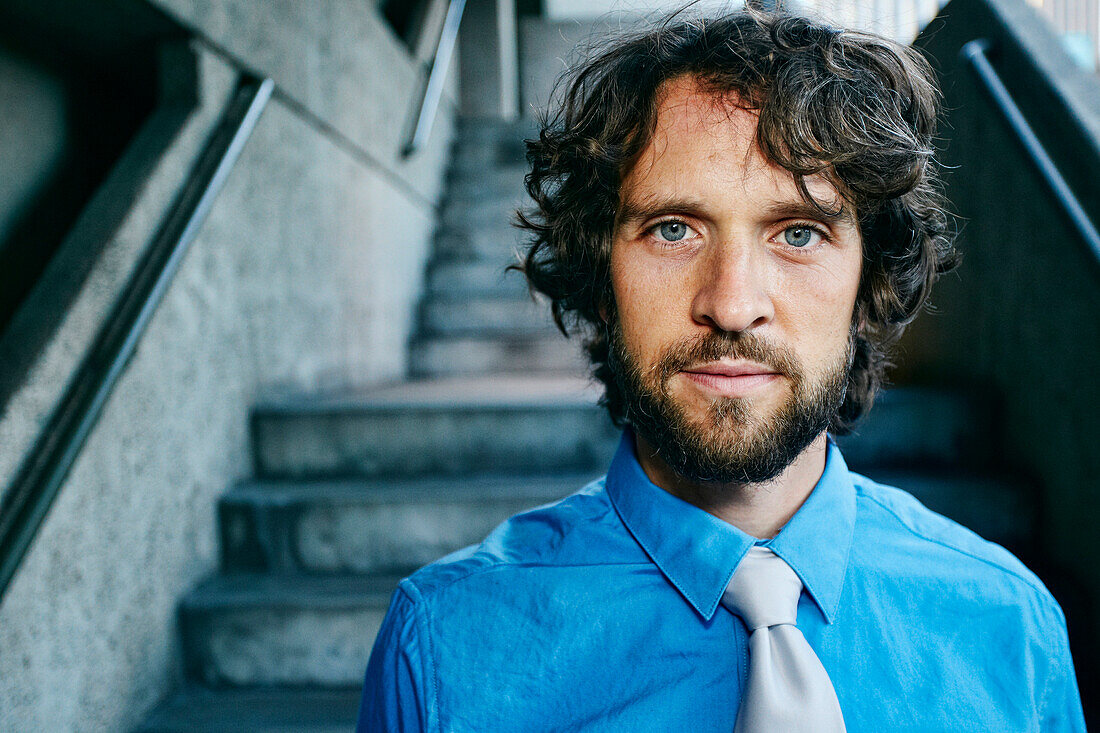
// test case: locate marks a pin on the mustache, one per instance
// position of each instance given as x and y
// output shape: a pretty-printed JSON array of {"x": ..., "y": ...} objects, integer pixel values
[{"x": 719, "y": 345}]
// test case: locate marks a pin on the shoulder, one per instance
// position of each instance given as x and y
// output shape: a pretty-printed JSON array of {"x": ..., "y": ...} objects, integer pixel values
[
  {"x": 915, "y": 542},
  {"x": 942, "y": 575},
  {"x": 580, "y": 530}
]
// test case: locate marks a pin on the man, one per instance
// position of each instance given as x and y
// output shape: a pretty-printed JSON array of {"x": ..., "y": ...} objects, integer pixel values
[{"x": 743, "y": 214}]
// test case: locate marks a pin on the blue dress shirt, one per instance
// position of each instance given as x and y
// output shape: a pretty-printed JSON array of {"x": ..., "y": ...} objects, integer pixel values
[{"x": 600, "y": 613}]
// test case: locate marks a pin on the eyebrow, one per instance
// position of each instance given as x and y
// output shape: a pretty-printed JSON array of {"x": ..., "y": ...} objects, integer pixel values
[
  {"x": 631, "y": 212},
  {"x": 807, "y": 210}
]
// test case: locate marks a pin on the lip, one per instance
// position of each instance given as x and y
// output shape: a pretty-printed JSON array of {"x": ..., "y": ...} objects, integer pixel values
[{"x": 735, "y": 379}]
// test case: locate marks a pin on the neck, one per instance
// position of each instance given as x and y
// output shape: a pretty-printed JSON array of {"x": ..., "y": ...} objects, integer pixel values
[{"x": 759, "y": 510}]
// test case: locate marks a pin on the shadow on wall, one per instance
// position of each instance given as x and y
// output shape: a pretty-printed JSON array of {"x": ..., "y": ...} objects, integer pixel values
[
  {"x": 78, "y": 80},
  {"x": 1020, "y": 317}
]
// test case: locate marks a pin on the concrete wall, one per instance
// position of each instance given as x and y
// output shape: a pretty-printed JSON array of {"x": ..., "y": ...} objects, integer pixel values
[
  {"x": 571, "y": 28},
  {"x": 548, "y": 48},
  {"x": 305, "y": 276},
  {"x": 579, "y": 9},
  {"x": 488, "y": 79},
  {"x": 1022, "y": 315}
]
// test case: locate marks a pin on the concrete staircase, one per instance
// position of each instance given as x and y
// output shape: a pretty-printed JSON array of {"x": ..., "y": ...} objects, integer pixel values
[
  {"x": 353, "y": 491},
  {"x": 476, "y": 318}
]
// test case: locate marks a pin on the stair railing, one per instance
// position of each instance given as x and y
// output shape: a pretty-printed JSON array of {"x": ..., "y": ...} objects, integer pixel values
[
  {"x": 43, "y": 471},
  {"x": 436, "y": 76},
  {"x": 974, "y": 54}
]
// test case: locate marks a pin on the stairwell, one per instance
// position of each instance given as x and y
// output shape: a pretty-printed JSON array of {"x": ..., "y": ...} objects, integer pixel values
[{"x": 354, "y": 491}]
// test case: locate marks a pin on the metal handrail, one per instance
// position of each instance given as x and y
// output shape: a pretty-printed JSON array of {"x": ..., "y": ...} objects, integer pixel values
[
  {"x": 43, "y": 472},
  {"x": 974, "y": 53},
  {"x": 428, "y": 104}
]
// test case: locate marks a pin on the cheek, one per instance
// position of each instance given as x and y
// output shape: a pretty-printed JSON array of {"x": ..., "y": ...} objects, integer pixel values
[
  {"x": 633, "y": 309},
  {"x": 648, "y": 300},
  {"x": 820, "y": 301}
]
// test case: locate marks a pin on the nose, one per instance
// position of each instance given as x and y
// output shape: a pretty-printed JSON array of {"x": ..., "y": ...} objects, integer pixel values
[{"x": 734, "y": 290}]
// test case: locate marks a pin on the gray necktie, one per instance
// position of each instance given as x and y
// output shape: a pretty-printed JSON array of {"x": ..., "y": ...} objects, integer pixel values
[{"x": 787, "y": 688}]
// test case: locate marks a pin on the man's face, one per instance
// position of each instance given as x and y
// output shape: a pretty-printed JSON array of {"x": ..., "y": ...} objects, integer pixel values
[{"x": 734, "y": 297}]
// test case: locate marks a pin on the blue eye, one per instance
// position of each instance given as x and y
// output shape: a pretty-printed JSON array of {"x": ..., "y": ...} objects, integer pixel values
[
  {"x": 672, "y": 231},
  {"x": 798, "y": 236}
]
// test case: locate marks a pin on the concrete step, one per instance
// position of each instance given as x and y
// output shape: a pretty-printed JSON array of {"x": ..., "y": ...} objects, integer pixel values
[
  {"x": 485, "y": 143},
  {"x": 472, "y": 278},
  {"x": 922, "y": 428},
  {"x": 547, "y": 352},
  {"x": 372, "y": 526},
  {"x": 522, "y": 422},
  {"x": 485, "y": 316},
  {"x": 473, "y": 184},
  {"x": 498, "y": 243},
  {"x": 257, "y": 710},
  {"x": 464, "y": 213},
  {"x": 489, "y": 154},
  {"x": 445, "y": 427},
  {"x": 264, "y": 629},
  {"x": 997, "y": 507},
  {"x": 365, "y": 527},
  {"x": 473, "y": 130}
]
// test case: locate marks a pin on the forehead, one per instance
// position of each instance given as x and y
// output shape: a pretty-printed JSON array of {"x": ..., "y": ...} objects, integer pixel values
[
  {"x": 685, "y": 106},
  {"x": 704, "y": 138}
]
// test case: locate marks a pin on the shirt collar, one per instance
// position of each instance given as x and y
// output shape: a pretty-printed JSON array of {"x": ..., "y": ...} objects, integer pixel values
[{"x": 698, "y": 552}]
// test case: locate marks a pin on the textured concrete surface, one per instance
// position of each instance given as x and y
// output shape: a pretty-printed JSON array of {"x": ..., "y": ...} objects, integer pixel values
[
  {"x": 480, "y": 49},
  {"x": 502, "y": 148},
  {"x": 487, "y": 315},
  {"x": 473, "y": 278},
  {"x": 579, "y": 9},
  {"x": 277, "y": 646},
  {"x": 368, "y": 527},
  {"x": 548, "y": 48},
  {"x": 500, "y": 424},
  {"x": 467, "y": 392},
  {"x": 340, "y": 62},
  {"x": 500, "y": 432},
  {"x": 305, "y": 275},
  {"x": 85, "y": 627},
  {"x": 29, "y": 408},
  {"x": 473, "y": 325},
  {"x": 266, "y": 630},
  {"x": 397, "y": 524},
  {"x": 547, "y": 351},
  {"x": 498, "y": 242},
  {"x": 494, "y": 182},
  {"x": 482, "y": 213},
  {"x": 277, "y": 709}
]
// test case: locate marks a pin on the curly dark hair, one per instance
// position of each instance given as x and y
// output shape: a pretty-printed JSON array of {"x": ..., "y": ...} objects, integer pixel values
[{"x": 855, "y": 108}]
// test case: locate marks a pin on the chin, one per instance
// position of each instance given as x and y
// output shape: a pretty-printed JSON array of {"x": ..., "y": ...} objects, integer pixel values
[
  {"x": 725, "y": 414},
  {"x": 731, "y": 440}
]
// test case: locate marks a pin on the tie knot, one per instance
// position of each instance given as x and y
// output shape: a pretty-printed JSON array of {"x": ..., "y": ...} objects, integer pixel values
[{"x": 764, "y": 590}]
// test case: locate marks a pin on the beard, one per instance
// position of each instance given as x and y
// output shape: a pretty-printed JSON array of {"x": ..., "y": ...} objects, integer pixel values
[{"x": 728, "y": 443}]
